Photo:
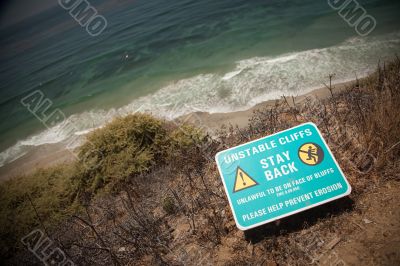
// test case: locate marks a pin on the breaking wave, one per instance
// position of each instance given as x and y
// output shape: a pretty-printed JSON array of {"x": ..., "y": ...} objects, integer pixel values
[{"x": 252, "y": 81}]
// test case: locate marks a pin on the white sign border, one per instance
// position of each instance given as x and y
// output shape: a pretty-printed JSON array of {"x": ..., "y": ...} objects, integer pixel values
[{"x": 244, "y": 228}]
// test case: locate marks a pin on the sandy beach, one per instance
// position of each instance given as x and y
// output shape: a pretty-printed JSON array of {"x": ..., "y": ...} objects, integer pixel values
[
  {"x": 53, "y": 154},
  {"x": 214, "y": 121}
]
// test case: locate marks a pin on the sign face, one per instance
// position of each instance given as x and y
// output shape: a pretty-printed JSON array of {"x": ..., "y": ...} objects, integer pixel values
[{"x": 280, "y": 175}]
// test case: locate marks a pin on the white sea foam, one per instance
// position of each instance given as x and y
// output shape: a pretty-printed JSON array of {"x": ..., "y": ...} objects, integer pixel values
[
  {"x": 230, "y": 75},
  {"x": 252, "y": 81}
]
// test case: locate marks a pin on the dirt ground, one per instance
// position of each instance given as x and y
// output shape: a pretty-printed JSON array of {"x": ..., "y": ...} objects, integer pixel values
[
  {"x": 361, "y": 232},
  {"x": 375, "y": 239}
]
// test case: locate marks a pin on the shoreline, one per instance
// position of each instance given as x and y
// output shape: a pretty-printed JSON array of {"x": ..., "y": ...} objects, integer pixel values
[
  {"x": 54, "y": 154},
  {"x": 214, "y": 121}
]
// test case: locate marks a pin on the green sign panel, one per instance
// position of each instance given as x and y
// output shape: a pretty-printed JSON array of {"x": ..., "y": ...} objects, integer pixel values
[{"x": 280, "y": 175}]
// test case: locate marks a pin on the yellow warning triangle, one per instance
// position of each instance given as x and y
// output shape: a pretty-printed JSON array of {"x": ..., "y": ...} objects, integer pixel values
[{"x": 243, "y": 180}]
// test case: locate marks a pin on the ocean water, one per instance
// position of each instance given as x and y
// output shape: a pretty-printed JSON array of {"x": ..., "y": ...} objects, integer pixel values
[{"x": 173, "y": 58}]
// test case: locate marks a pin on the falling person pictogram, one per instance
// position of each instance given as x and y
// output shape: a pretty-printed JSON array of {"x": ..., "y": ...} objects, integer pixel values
[{"x": 311, "y": 154}]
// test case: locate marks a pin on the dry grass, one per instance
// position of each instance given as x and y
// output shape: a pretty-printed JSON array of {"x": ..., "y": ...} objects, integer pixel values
[{"x": 174, "y": 211}]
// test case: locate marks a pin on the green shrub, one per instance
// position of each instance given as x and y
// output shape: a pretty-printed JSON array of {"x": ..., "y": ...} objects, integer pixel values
[
  {"x": 112, "y": 155},
  {"x": 125, "y": 147},
  {"x": 168, "y": 205},
  {"x": 129, "y": 146},
  {"x": 40, "y": 200},
  {"x": 185, "y": 137}
]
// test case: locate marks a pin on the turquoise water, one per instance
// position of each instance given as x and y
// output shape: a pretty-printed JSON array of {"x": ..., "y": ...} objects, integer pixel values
[{"x": 171, "y": 58}]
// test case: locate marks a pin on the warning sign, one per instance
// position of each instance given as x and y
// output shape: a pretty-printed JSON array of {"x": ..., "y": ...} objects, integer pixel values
[
  {"x": 243, "y": 180},
  {"x": 280, "y": 175}
]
